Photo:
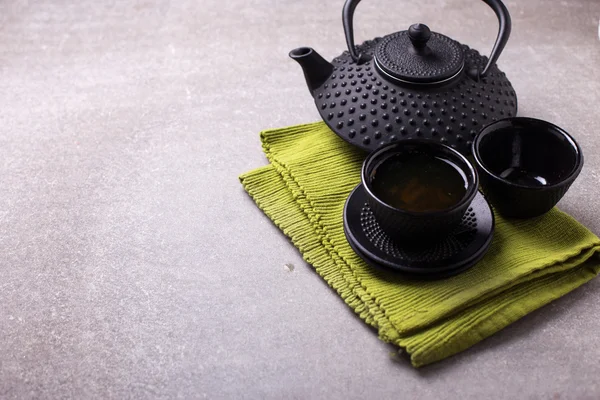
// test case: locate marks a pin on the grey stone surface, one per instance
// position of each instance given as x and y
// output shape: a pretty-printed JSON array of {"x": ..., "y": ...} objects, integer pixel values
[{"x": 134, "y": 266}]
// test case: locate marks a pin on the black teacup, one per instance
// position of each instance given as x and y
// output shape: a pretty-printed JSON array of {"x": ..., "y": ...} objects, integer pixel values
[
  {"x": 418, "y": 190},
  {"x": 526, "y": 165}
]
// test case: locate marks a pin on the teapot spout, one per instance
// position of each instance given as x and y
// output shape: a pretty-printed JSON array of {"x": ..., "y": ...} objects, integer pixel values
[{"x": 316, "y": 69}]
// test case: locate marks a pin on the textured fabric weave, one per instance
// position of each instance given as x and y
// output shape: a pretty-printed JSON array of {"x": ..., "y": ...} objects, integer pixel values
[{"x": 530, "y": 262}]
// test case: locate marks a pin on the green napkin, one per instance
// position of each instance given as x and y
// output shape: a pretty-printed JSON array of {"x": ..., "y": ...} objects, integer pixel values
[{"x": 529, "y": 263}]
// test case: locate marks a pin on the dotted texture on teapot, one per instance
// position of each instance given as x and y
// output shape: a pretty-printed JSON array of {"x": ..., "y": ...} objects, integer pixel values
[{"x": 366, "y": 110}]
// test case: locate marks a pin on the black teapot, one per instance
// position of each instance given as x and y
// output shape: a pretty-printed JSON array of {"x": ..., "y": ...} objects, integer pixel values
[{"x": 410, "y": 84}]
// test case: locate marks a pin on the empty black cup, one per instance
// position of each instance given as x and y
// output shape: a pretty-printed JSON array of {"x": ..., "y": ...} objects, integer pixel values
[
  {"x": 525, "y": 165},
  {"x": 411, "y": 226}
]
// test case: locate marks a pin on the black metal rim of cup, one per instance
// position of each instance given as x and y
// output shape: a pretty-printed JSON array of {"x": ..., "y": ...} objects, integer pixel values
[
  {"x": 523, "y": 122},
  {"x": 425, "y": 146},
  {"x": 428, "y": 147},
  {"x": 418, "y": 228}
]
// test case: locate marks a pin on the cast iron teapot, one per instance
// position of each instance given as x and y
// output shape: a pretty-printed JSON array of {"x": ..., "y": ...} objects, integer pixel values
[{"x": 410, "y": 84}]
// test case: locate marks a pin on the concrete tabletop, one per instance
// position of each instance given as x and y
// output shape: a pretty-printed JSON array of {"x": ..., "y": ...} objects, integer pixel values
[{"x": 133, "y": 264}]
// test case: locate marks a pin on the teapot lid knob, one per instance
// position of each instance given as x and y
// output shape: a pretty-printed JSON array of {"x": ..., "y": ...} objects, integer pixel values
[{"x": 419, "y": 35}]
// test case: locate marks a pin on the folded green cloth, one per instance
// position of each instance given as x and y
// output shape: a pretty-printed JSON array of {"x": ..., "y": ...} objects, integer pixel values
[{"x": 529, "y": 263}]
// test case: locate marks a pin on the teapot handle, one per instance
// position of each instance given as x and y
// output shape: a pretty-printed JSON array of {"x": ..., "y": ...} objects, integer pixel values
[{"x": 496, "y": 5}]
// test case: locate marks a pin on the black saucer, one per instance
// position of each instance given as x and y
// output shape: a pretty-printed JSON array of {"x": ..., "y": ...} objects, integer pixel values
[{"x": 456, "y": 253}]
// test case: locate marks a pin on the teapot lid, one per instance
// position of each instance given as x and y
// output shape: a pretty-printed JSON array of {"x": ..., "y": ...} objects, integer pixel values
[{"x": 419, "y": 56}]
